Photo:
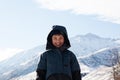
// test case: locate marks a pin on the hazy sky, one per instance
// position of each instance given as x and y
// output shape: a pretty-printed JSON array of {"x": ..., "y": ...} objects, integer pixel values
[{"x": 25, "y": 24}]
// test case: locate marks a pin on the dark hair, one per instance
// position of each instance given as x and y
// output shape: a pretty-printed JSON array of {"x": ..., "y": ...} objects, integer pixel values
[{"x": 54, "y": 32}]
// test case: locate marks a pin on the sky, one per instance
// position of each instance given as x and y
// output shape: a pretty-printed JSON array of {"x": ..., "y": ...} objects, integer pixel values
[{"x": 25, "y": 24}]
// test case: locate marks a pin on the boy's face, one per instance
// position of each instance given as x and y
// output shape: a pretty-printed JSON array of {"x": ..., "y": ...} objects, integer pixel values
[{"x": 57, "y": 40}]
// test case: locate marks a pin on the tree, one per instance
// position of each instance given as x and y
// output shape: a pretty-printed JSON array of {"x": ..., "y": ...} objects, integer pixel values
[{"x": 116, "y": 66}]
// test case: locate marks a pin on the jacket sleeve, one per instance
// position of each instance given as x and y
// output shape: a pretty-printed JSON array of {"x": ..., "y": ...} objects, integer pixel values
[
  {"x": 76, "y": 75},
  {"x": 41, "y": 74},
  {"x": 75, "y": 68},
  {"x": 41, "y": 69}
]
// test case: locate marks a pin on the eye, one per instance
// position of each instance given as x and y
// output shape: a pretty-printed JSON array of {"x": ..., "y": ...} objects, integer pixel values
[
  {"x": 55, "y": 38},
  {"x": 60, "y": 38}
]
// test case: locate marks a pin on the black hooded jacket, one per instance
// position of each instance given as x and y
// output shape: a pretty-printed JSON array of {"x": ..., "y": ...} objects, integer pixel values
[{"x": 58, "y": 63}]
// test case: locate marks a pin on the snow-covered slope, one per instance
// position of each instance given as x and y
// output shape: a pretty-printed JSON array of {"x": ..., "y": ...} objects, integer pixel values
[
  {"x": 30, "y": 76},
  {"x": 89, "y": 43},
  {"x": 105, "y": 56},
  {"x": 102, "y": 73},
  {"x": 20, "y": 64},
  {"x": 91, "y": 50}
]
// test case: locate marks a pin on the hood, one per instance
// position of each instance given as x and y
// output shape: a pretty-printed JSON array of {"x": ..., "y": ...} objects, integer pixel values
[{"x": 57, "y": 29}]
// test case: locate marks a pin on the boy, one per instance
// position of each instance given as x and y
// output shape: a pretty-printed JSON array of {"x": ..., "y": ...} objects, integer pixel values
[{"x": 58, "y": 63}]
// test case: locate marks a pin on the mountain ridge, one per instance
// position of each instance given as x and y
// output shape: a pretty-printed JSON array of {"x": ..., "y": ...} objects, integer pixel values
[{"x": 26, "y": 62}]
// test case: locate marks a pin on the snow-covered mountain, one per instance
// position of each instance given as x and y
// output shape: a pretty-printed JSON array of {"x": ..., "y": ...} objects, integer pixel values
[
  {"x": 20, "y": 64},
  {"x": 106, "y": 57},
  {"x": 101, "y": 73},
  {"x": 91, "y": 50},
  {"x": 89, "y": 43}
]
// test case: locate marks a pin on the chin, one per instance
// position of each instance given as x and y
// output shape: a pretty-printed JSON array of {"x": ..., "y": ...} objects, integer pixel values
[{"x": 58, "y": 46}]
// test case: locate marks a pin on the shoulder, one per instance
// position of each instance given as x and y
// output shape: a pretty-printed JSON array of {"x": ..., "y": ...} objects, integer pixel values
[
  {"x": 73, "y": 57},
  {"x": 71, "y": 53},
  {"x": 46, "y": 52}
]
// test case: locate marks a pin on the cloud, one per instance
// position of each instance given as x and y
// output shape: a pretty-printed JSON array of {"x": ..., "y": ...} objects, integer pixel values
[
  {"x": 8, "y": 52},
  {"x": 106, "y": 10}
]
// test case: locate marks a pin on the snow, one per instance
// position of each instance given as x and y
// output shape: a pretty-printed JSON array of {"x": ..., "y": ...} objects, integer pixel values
[
  {"x": 8, "y": 52},
  {"x": 102, "y": 73},
  {"x": 117, "y": 41},
  {"x": 84, "y": 68},
  {"x": 8, "y": 72},
  {"x": 30, "y": 76},
  {"x": 105, "y": 57},
  {"x": 84, "y": 45},
  {"x": 93, "y": 53},
  {"x": 25, "y": 63}
]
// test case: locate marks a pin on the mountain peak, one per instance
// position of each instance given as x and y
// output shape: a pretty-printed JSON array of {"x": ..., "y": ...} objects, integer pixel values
[
  {"x": 91, "y": 35},
  {"x": 88, "y": 35}
]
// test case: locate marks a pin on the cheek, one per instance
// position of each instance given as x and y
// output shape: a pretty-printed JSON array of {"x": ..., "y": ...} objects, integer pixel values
[
  {"x": 53, "y": 42},
  {"x": 62, "y": 41}
]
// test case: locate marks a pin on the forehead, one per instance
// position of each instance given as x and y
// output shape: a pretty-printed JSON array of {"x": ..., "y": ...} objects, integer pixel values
[{"x": 57, "y": 35}]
